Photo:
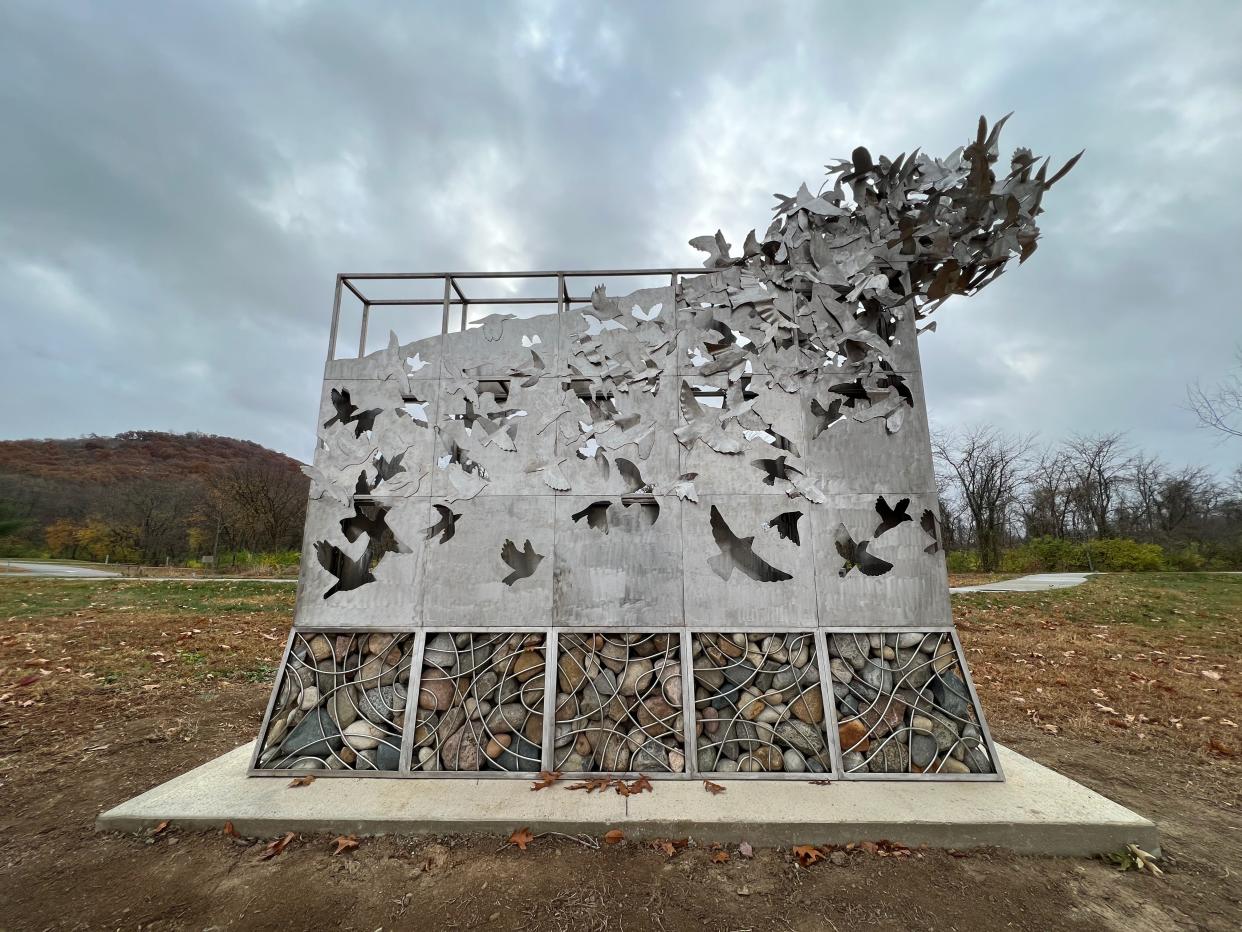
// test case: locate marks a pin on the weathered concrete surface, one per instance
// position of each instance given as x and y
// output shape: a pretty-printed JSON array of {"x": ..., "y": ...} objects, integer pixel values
[
  {"x": 1036, "y": 582},
  {"x": 1035, "y": 811}
]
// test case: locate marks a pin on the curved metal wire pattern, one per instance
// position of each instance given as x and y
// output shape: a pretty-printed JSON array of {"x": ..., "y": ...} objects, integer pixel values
[
  {"x": 480, "y": 703},
  {"x": 758, "y": 704},
  {"x": 903, "y": 705},
  {"x": 619, "y": 704},
  {"x": 340, "y": 703}
]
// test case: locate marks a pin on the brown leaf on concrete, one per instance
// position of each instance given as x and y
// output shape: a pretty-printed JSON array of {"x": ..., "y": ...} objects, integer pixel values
[
  {"x": 230, "y": 831},
  {"x": 302, "y": 781},
  {"x": 546, "y": 779},
  {"x": 592, "y": 784},
  {"x": 714, "y": 788},
  {"x": 159, "y": 828}
]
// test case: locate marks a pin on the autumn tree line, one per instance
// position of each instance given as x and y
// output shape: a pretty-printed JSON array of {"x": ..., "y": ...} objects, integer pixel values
[
  {"x": 150, "y": 498},
  {"x": 1088, "y": 502}
]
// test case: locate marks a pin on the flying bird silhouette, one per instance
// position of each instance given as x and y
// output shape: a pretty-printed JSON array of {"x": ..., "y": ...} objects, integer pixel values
[
  {"x": 825, "y": 418},
  {"x": 890, "y": 517},
  {"x": 928, "y": 521},
  {"x": 446, "y": 527},
  {"x": 738, "y": 553},
  {"x": 348, "y": 413},
  {"x": 522, "y": 562},
  {"x": 786, "y": 525},
  {"x": 596, "y": 515},
  {"x": 703, "y": 424},
  {"x": 855, "y": 555}
]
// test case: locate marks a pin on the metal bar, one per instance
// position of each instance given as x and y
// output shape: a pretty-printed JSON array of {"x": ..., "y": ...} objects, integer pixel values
[
  {"x": 345, "y": 280},
  {"x": 432, "y": 302},
  {"x": 548, "y": 752},
  {"x": 464, "y": 310},
  {"x": 457, "y": 288},
  {"x": 281, "y": 673},
  {"x": 448, "y": 285},
  {"x": 411, "y": 703},
  {"x": 336, "y": 320},
  {"x": 689, "y": 716},
  {"x": 546, "y": 273},
  {"x": 820, "y": 643},
  {"x": 362, "y": 331}
]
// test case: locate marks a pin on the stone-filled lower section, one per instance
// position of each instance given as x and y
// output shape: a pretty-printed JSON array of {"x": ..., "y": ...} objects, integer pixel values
[
  {"x": 480, "y": 702},
  {"x": 340, "y": 703},
  {"x": 903, "y": 706},
  {"x": 618, "y": 704},
  {"x": 758, "y": 704}
]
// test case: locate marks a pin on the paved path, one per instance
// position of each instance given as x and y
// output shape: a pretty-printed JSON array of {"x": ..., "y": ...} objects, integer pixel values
[
  {"x": 1036, "y": 582},
  {"x": 16, "y": 568},
  {"x": 20, "y": 568}
]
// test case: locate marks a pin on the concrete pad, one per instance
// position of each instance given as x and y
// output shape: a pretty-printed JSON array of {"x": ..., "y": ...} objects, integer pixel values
[
  {"x": 1035, "y": 811},
  {"x": 1036, "y": 582}
]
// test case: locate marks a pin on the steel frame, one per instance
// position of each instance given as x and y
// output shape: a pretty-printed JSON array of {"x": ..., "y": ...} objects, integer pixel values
[{"x": 455, "y": 296}]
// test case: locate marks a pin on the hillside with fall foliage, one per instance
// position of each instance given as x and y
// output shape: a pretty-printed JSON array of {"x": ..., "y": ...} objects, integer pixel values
[{"x": 147, "y": 496}]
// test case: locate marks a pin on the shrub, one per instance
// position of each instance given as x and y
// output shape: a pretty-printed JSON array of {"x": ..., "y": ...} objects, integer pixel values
[
  {"x": 962, "y": 561},
  {"x": 1122, "y": 555}
]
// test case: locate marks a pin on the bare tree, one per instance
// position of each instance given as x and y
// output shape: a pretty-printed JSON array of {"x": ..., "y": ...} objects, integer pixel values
[
  {"x": 1100, "y": 465},
  {"x": 988, "y": 469},
  {"x": 1220, "y": 408},
  {"x": 1048, "y": 506},
  {"x": 261, "y": 505}
]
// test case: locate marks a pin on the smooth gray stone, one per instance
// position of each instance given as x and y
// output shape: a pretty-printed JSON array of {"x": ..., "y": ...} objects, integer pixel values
[
  {"x": 316, "y": 736},
  {"x": 951, "y": 695},
  {"x": 521, "y": 755},
  {"x": 922, "y": 749},
  {"x": 798, "y": 734},
  {"x": 851, "y": 648}
]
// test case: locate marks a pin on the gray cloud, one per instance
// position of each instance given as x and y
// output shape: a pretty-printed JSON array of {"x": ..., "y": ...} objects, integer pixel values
[{"x": 181, "y": 183}]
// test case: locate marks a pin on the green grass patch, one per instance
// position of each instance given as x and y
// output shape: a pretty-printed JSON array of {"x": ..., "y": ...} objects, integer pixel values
[
  {"x": 31, "y": 598},
  {"x": 1147, "y": 599}
]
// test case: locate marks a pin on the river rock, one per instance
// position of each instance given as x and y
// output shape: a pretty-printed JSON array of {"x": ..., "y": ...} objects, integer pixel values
[
  {"x": 361, "y": 735},
  {"x": 651, "y": 756},
  {"x": 320, "y": 648},
  {"x": 384, "y": 704},
  {"x": 853, "y": 762},
  {"x": 853, "y": 736},
  {"x": 440, "y": 651},
  {"x": 851, "y": 648},
  {"x": 428, "y": 759},
  {"x": 309, "y": 698},
  {"x": 637, "y": 678},
  {"x": 435, "y": 690},
  {"x": 461, "y": 751},
  {"x": 809, "y": 707},
  {"x": 878, "y": 676},
  {"x": 527, "y": 664},
  {"x": 316, "y": 735},
  {"x": 951, "y": 695},
  {"x": 922, "y": 750},
  {"x": 614, "y": 655},
  {"x": 508, "y": 717},
  {"x": 801, "y": 736}
]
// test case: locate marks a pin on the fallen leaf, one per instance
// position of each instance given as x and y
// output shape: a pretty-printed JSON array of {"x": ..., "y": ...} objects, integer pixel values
[
  {"x": 522, "y": 837},
  {"x": 28, "y": 680},
  {"x": 720, "y": 857},
  {"x": 714, "y": 788},
  {"x": 1218, "y": 748},
  {"x": 276, "y": 847},
  {"x": 821, "y": 783},
  {"x": 640, "y": 785},
  {"x": 230, "y": 831},
  {"x": 592, "y": 784},
  {"x": 302, "y": 781},
  {"x": 614, "y": 837},
  {"x": 546, "y": 779},
  {"x": 807, "y": 854},
  {"x": 159, "y": 828},
  {"x": 745, "y": 850},
  {"x": 1210, "y": 674},
  {"x": 743, "y": 890},
  {"x": 670, "y": 847},
  {"x": 345, "y": 843}
]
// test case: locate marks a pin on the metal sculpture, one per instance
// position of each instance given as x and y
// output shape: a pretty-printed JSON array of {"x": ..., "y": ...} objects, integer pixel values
[{"x": 688, "y": 530}]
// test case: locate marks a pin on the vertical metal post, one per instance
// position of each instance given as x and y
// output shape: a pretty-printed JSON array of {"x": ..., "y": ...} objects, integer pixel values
[
  {"x": 986, "y": 732},
  {"x": 464, "y": 309},
  {"x": 548, "y": 751},
  {"x": 336, "y": 319},
  {"x": 820, "y": 640},
  {"x": 362, "y": 331},
  {"x": 281, "y": 673},
  {"x": 689, "y": 717},
  {"x": 411, "y": 703},
  {"x": 448, "y": 288}
]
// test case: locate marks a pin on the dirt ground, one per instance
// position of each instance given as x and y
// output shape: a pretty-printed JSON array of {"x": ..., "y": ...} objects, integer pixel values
[{"x": 1128, "y": 684}]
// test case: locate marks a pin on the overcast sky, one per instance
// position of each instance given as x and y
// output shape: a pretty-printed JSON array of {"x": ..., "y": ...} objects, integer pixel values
[{"x": 180, "y": 183}]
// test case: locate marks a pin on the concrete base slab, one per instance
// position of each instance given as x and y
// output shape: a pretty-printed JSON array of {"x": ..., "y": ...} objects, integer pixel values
[{"x": 1035, "y": 811}]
